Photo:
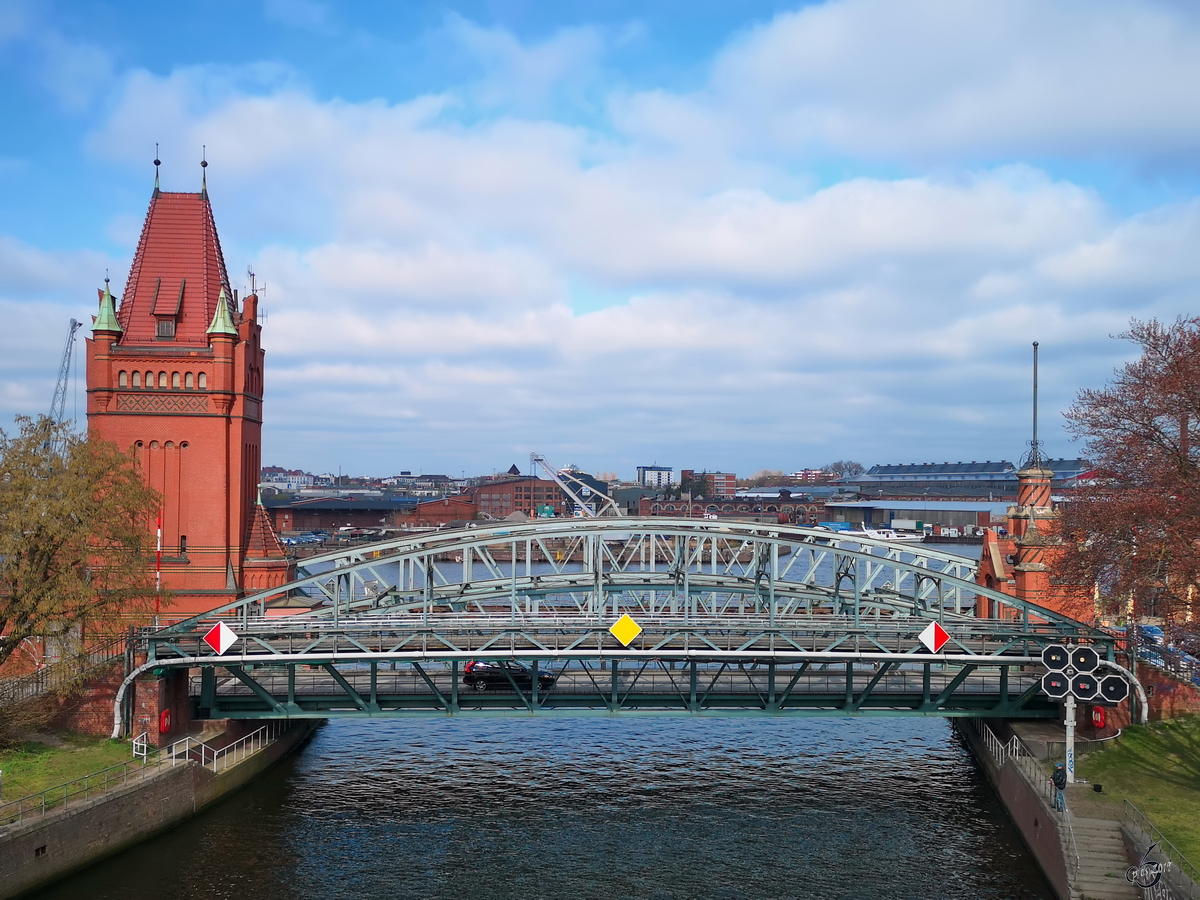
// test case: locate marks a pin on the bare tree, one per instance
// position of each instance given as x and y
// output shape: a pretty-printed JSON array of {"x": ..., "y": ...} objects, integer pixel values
[
  {"x": 1133, "y": 529},
  {"x": 844, "y": 468}
]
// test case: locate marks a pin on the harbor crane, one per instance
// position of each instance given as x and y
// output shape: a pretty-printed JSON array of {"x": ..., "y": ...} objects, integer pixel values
[
  {"x": 581, "y": 494},
  {"x": 58, "y": 405}
]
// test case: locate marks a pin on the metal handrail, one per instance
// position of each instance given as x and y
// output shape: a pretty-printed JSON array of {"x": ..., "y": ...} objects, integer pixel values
[
  {"x": 181, "y": 752},
  {"x": 56, "y": 675},
  {"x": 1031, "y": 769},
  {"x": 1033, "y": 773},
  {"x": 1135, "y": 818}
]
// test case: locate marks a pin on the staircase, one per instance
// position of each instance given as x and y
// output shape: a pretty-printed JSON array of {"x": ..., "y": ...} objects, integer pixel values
[{"x": 1102, "y": 861}]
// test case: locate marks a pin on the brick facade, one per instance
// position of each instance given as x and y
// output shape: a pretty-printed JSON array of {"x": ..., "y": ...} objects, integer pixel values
[{"x": 177, "y": 375}]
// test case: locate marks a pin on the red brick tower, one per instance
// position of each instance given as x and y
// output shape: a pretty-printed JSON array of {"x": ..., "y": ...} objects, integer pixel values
[{"x": 177, "y": 373}]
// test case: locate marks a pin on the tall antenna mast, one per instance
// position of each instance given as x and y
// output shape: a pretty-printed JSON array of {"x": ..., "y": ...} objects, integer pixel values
[{"x": 1034, "y": 459}]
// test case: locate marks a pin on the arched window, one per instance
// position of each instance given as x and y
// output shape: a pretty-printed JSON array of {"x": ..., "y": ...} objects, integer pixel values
[
  {"x": 189, "y": 381},
  {"x": 149, "y": 380},
  {"x": 175, "y": 381},
  {"x": 743, "y": 508},
  {"x": 670, "y": 507},
  {"x": 656, "y": 508},
  {"x": 202, "y": 381},
  {"x": 137, "y": 379},
  {"x": 122, "y": 379},
  {"x": 162, "y": 380}
]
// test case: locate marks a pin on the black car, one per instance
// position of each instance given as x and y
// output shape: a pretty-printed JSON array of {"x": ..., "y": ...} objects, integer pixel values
[{"x": 495, "y": 675}]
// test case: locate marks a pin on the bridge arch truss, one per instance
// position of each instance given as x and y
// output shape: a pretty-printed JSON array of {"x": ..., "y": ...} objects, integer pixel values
[{"x": 735, "y": 618}]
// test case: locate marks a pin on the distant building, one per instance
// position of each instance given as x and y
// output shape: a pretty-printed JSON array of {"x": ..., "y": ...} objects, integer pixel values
[
  {"x": 285, "y": 479},
  {"x": 717, "y": 484},
  {"x": 655, "y": 476},
  {"x": 810, "y": 476},
  {"x": 533, "y": 496},
  {"x": 438, "y": 513},
  {"x": 332, "y": 513},
  {"x": 947, "y": 513},
  {"x": 984, "y": 480},
  {"x": 781, "y": 506}
]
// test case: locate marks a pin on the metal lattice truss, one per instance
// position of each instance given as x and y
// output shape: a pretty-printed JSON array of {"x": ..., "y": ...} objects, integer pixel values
[
  {"x": 684, "y": 568},
  {"x": 734, "y": 618}
]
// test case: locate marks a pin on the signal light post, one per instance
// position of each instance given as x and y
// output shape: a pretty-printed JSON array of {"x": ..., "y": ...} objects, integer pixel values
[{"x": 1073, "y": 676}]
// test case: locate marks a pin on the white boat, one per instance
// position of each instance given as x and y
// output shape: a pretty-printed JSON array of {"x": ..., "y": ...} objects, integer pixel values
[{"x": 884, "y": 534}]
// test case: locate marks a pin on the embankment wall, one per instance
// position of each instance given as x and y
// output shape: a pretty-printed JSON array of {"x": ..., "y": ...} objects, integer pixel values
[
  {"x": 1035, "y": 822},
  {"x": 36, "y": 853}
]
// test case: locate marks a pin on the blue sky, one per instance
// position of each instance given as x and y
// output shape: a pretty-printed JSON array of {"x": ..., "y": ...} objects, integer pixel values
[{"x": 731, "y": 236}]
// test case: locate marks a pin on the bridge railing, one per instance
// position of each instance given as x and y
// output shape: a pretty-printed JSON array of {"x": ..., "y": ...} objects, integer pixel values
[
  {"x": 181, "y": 752},
  {"x": 1031, "y": 770},
  {"x": 218, "y": 759},
  {"x": 60, "y": 675}
]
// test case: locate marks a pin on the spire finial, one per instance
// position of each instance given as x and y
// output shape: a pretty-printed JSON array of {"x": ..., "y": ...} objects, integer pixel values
[
  {"x": 106, "y": 320},
  {"x": 1034, "y": 459},
  {"x": 222, "y": 321},
  {"x": 203, "y": 166},
  {"x": 157, "y": 163}
]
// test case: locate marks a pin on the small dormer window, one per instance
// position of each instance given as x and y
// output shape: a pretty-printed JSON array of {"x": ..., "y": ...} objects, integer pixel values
[{"x": 165, "y": 309}]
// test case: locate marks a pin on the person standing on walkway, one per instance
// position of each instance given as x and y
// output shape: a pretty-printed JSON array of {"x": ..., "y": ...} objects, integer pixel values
[{"x": 1060, "y": 782}]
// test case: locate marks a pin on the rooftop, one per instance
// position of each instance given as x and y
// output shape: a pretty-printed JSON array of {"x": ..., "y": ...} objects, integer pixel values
[{"x": 178, "y": 271}]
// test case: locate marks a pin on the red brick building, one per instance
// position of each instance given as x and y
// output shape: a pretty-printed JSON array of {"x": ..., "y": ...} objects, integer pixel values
[
  {"x": 522, "y": 494},
  {"x": 176, "y": 372},
  {"x": 801, "y": 509},
  {"x": 434, "y": 513},
  {"x": 1019, "y": 562},
  {"x": 717, "y": 484}
]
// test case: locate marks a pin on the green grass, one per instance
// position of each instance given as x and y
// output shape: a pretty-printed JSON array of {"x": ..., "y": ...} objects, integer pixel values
[
  {"x": 32, "y": 767},
  {"x": 1156, "y": 767}
]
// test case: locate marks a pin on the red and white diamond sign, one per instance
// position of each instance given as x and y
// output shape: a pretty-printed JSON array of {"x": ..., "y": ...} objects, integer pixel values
[
  {"x": 934, "y": 637},
  {"x": 220, "y": 637}
]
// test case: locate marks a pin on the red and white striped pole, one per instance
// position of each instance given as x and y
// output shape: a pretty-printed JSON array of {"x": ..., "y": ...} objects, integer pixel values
[{"x": 158, "y": 567}]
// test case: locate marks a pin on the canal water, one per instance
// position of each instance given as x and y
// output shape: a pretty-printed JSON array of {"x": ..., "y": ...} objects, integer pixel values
[{"x": 669, "y": 808}]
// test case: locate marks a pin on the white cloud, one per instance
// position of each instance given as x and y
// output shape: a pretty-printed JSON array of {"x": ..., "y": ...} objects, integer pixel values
[
  {"x": 421, "y": 269},
  {"x": 937, "y": 79},
  {"x": 525, "y": 76},
  {"x": 305, "y": 14}
]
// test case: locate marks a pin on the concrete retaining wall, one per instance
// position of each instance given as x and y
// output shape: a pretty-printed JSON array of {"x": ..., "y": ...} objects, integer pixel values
[
  {"x": 1035, "y": 822},
  {"x": 35, "y": 853}
]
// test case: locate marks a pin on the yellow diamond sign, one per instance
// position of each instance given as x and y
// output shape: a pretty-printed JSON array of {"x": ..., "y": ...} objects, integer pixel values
[{"x": 625, "y": 630}]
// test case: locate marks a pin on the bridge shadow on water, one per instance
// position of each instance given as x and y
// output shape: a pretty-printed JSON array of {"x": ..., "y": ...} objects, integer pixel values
[{"x": 597, "y": 808}]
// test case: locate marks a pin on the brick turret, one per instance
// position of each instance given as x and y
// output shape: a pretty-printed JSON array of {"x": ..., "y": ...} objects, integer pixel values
[{"x": 177, "y": 374}]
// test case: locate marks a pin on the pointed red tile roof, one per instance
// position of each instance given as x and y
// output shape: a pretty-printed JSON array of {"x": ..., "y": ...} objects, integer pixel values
[
  {"x": 262, "y": 542},
  {"x": 178, "y": 270}
]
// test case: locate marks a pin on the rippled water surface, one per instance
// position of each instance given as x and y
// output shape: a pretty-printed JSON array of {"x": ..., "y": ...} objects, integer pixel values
[{"x": 596, "y": 808}]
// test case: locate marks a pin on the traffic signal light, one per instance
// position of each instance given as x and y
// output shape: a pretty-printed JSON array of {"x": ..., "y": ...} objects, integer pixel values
[
  {"x": 1056, "y": 657},
  {"x": 1085, "y": 659},
  {"x": 1056, "y": 684},
  {"x": 1085, "y": 687},
  {"x": 1114, "y": 688}
]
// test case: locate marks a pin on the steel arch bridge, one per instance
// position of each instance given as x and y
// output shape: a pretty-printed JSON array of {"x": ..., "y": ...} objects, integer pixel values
[{"x": 735, "y": 619}]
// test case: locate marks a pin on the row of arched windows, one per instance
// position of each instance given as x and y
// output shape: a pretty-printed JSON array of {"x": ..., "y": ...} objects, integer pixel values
[{"x": 187, "y": 381}]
